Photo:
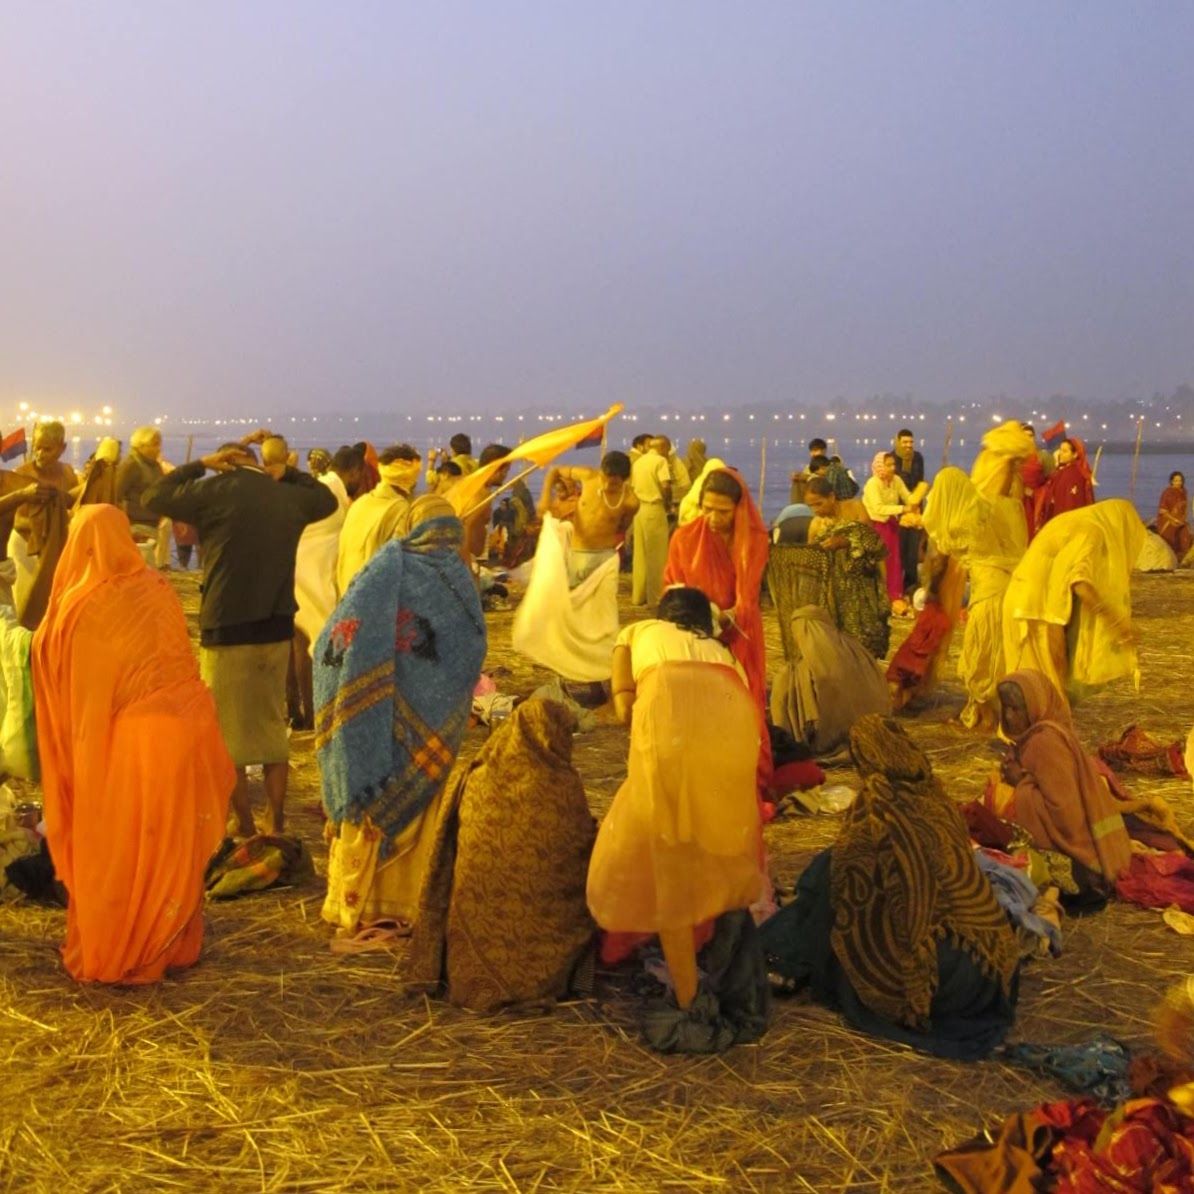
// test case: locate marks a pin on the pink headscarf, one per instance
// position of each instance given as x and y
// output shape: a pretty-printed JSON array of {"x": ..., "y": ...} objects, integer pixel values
[{"x": 877, "y": 464}]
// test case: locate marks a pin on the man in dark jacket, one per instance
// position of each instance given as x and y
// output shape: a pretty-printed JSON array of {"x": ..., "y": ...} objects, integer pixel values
[
  {"x": 249, "y": 519},
  {"x": 910, "y": 468}
]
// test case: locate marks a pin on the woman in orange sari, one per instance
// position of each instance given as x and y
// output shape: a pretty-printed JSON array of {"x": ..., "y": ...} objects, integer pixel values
[
  {"x": 724, "y": 554},
  {"x": 1173, "y": 516},
  {"x": 135, "y": 773}
]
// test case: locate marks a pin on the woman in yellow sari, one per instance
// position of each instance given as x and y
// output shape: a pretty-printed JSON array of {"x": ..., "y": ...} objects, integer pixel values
[
  {"x": 1068, "y": 608},
  {"x": 987, "y": 539}
]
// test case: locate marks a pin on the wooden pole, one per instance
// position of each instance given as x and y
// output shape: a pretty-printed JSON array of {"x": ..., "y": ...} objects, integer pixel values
[
  {"x": 1094, "y": 472},
  {"x": 949, "y": 435},
  {"x": 500, "y": 489},
  {"x": 1136, "y": 459},
  {"x": 190, "y": 448},
  {"x": 762, "y": 471}
]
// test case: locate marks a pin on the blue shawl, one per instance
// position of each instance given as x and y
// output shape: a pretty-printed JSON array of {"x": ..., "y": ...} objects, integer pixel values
[{"x": 394, "y": 671}]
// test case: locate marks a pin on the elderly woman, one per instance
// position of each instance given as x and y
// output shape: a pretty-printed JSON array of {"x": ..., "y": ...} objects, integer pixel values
[
  {"x": 1068, "y": 607},
  {"x": 140, "y": 470},
  {"x": 984, "y": 538},
  {"x": 1057, "y": 793},
  {"x": 896, "y": 924},
  {"x": 134, "y": 769},
  {"x": 1173, "y": 516},
  {"x": 682, "y": 841},
  {"x": 856, "y": 588},
  {"x": 502, "y": 916},
  {"x": 395, "y": 669}
]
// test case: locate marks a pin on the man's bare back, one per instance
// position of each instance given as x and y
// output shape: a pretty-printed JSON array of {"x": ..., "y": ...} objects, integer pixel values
[{"x": 599, "y": 505}]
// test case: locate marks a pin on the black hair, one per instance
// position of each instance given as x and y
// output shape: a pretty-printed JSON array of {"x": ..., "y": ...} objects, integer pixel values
[
  {"x": 821, "y": 486},
  {"x": 723, "y": 483},
  {"x": 639, "y": 440},
  {"x": 492, "y": 452},
  {"x": 818, "y": 464},
  {"x": 346, "y": 459},
  {"x": 817, "y": 445},
  {"x": 460, "y": 444},
  {"x": 1030, "y": 428},
  {"x": 687, "y": 608},
  {"x": 616, "y": 464},
  {"x": 398, "y": 452},
  {"x": 450, "y": 468},
  {"x": 904, "y": 431},
  {"x": 1177, "y": 473}
]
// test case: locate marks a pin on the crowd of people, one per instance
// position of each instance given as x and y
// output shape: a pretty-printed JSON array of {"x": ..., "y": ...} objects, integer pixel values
[{"x": 340, "y": 601}]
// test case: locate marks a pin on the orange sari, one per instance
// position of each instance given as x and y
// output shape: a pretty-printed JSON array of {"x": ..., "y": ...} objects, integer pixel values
[
  {"x": 135, "y": 773},
  {"x": 732, "y": 578}
]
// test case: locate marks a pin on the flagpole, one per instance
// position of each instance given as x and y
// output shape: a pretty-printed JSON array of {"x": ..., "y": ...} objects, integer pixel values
[
  {"x": 500, "y": 489},
  {"x": 1136, "y": 459}
]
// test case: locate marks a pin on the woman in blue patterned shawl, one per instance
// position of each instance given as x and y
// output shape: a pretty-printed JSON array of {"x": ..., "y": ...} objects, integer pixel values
[{"x": 395, "y": 669}]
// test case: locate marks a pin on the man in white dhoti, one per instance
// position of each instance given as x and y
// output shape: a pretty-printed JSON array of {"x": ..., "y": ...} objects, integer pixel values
[{"x": 568, "y": 618}]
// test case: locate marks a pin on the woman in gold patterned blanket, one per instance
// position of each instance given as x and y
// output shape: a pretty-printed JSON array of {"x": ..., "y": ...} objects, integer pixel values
[
  {"x": 502, "y": 916},
  {"x": 896, "y": 925}
]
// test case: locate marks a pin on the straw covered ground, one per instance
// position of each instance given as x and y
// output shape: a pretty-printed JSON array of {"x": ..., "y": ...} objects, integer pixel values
[{"x": 275, "y": 1065}]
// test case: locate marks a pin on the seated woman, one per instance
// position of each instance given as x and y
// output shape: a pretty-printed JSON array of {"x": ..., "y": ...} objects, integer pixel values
[
  {"x": 895, "y": 924},
  {"x": 1057, "y": 792},
  {"x": 1068, "y": 608},
  {"x": 829, "y": 682},
  {"x": 856, "y": 586},
  {"x": 395, "y": 669},
  {"x": 502, "y": 917},
  {"x": 723, "y": 553},
  {"x": 1173, "y": 516},
  {"x": 134, "y": 770},
  {"x": 682, "y": 841}
]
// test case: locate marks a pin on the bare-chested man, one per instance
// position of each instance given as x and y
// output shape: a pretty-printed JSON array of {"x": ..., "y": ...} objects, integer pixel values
[{"x": 599, "y": 504}]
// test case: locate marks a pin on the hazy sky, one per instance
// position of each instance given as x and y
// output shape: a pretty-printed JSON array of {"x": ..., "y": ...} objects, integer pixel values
[{"x": 391, "y": 205}]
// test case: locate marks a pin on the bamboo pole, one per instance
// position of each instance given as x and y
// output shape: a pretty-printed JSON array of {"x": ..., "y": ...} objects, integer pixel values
[
  {"x": 500, "y": 489},
  {"x": 762, "y": 471},
  {"x": 1094, "y": 472},
  {"x": 949, "y": 435},
  {"x": 1136, "y": 459},
  {"x": 190, "y": 448}
]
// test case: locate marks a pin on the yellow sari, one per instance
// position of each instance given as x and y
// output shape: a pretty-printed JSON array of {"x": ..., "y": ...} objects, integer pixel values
[
  {"x": 1097, "y": 544},
  {"x": 988, "y": 538}
]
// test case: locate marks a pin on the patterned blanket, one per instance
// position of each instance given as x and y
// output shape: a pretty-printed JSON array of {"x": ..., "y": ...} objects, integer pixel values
[{"x": 394, "y": 672}]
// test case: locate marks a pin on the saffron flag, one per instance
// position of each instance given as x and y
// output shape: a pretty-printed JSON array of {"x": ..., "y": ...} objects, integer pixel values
[
  {"x": 538, "y": 452},
  {"x": 13, "y": 445},
  {"x": 1054, "y": 436}
]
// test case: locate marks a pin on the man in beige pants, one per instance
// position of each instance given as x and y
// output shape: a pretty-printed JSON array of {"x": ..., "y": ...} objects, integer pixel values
[{"x": 651, "y": 480}]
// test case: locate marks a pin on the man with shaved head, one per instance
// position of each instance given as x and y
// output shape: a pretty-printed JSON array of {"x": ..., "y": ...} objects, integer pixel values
[{"x": 249, "y": 518}]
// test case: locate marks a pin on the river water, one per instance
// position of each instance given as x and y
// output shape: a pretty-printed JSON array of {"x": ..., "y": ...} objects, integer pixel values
[{"x": 737, "y": 440}]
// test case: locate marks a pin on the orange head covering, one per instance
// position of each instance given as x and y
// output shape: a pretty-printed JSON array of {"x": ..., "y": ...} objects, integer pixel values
[
  {"x": 1042, "y": 701},
  {"x": 98, "y": 548},
  {"x": 750, "y": 541}
]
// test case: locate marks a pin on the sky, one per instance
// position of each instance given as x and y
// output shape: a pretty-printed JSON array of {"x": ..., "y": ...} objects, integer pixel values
[{"x": 303, "y": 207}]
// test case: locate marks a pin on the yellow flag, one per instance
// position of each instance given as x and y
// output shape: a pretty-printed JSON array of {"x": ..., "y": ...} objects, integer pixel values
[{"x": 541, "y": 451}]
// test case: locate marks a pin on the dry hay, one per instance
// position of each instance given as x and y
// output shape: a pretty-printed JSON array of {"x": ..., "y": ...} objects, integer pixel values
[{"x": 275, "y": 1066}]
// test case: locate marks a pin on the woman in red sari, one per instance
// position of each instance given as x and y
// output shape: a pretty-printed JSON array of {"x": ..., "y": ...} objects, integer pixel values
[
  {"x": 1070, "y": 487},
  {"x": 724, "y": 554},
  {"x": 135, "y": 772},
  {"x": 1173, "y": 516}
]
